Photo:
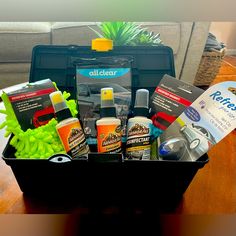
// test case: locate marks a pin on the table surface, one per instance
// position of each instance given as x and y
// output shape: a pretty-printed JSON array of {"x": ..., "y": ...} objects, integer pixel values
[{"x": 212, "y": 191}]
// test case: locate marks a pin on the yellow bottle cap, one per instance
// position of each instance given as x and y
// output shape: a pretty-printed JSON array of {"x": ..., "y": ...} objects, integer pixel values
[
  {"x": 58, "y": 101},
  {"x": 102, "y": 44},
  {"x": 107, "y": 103},
  {"x": 106, "y": 94},
  {"x": 56, "y": 97}
]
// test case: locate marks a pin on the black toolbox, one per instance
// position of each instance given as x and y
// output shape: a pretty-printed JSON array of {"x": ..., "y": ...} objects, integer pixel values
[{"x": 103, "y": 178}]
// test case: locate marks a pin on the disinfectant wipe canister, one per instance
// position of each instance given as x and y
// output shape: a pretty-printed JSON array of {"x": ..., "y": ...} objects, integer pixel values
[
  {"x": 108, "y": 127},
  {"x": 139, "y": 128},
  {"x": 68, "y": 127}
]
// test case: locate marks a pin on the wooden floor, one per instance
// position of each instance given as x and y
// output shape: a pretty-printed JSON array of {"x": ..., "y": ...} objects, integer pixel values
[
  {"x": 227, "y": 70},
  {"x": 222, "y": 161},
  {"x": 213, "y": 190}
]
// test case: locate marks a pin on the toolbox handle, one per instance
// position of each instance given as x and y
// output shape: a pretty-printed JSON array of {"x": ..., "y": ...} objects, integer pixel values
[{"x": 60, "y": 158}]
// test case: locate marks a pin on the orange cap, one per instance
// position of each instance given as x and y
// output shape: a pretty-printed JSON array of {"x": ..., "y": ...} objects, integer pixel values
[{"x": 102, "y": 44}]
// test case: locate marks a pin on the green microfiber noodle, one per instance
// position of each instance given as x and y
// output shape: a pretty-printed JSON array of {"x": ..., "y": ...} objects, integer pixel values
[{"x": 39, "y": 143}]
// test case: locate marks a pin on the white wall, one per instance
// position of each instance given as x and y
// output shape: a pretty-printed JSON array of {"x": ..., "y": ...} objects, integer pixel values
[{"x": 225, "y": 32}]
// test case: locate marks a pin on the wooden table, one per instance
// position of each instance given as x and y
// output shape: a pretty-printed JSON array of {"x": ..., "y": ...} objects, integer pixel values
[{"x": 213, "y": 189}]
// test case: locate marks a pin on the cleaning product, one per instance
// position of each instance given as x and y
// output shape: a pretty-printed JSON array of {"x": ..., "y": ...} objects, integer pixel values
[
  {"x": 139, "y": 128},
  {"x": 169, "y": 100},
  {"x": 32, "y": 105},
  {"x": 38, "y": 143},
  {"x": 108, "y": 127},
  {"x": 93, "y": 74},
  {"x": 68, "y": 127}
]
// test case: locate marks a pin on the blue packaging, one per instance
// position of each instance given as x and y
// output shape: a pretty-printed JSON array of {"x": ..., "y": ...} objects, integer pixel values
[{"x": 93, "y": 74}]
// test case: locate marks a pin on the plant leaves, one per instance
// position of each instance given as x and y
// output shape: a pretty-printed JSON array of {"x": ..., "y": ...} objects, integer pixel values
[{"x": 127, "y": 33}]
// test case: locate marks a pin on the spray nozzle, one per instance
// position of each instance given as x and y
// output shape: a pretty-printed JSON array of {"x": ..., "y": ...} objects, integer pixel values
[
  {"x": 107, "y": 103},
  {"x": 107, "y": 97},
  {"x": 58, "y": 101},
  {"x": 142, "y": 98},
  {"x": 60, "y": 108},
  {"x": 141, "y": 106}
]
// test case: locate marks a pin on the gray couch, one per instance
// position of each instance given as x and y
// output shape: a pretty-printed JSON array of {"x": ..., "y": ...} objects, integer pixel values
[{"x": 187, "y": 39}]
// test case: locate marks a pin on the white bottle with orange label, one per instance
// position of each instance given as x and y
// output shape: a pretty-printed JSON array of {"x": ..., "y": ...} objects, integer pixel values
[
  {"x": 68, "y": 128},
  {"x": 108, "y": 127}
]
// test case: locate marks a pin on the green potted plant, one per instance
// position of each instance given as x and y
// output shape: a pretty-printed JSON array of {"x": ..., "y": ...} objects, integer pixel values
[{"x": 128, "y": 34}]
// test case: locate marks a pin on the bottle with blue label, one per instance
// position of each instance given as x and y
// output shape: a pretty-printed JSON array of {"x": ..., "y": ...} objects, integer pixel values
[{"x": 139, "y": 129}]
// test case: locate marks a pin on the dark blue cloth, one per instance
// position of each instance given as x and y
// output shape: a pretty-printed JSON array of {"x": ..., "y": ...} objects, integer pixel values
[{"x": 213, "y": 43}]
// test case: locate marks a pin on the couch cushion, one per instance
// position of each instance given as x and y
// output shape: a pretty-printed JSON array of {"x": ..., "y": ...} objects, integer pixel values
[
  {"x": 169, "y": 33},
  {"x": 18, "y": 38},
  {"x": 13, "y": 73},
  {"x": 80, "y": 34}
]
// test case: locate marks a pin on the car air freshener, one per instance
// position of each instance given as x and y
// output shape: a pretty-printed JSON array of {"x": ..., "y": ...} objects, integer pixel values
[
  {"x": 68, "y": 127},
  {"x": 168, "y": 101},
  {"x": 108, "y": 127},
  {"x": 93, "y": 74},
  {"x": 173, "y": 149},
  {"x": 205, "y": 122},
  {"x": 139, "y": 128}
]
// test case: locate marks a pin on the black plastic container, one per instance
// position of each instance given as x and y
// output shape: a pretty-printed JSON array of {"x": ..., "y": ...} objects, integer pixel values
[
  {"x": 102, "y": 179},
  {"x": 58, "y": 63},
  {"x": 95, "y": 181}
]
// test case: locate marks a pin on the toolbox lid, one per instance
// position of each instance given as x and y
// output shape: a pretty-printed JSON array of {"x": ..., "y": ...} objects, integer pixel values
[{"x": 149, "y": 64}]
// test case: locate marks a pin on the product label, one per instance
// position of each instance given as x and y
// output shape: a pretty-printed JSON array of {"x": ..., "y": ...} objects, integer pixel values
[
  {"x": 109, "y": 138},
  {"x": 169, "y": 100},
  {"x": 208, "y": 120},
  {"x": 73, "y": 139},
  {"x": 138, "y": 140},
  {"x": 32, "y": 105},
  {"x": 90, "y": 80},
  {"x": 106, "y": 73}
]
